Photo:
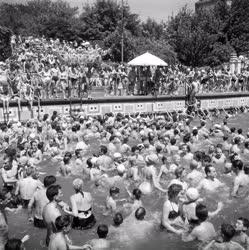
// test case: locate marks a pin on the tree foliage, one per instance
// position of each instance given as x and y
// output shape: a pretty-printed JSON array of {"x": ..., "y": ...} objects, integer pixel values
[
  {"x": 195, "y": 39},
  {"x": 5, "y": 47},
  {"x": 105, "y": 17},
  {"x": 238, "y": 30},
  {"x": 209, "y": 37}
]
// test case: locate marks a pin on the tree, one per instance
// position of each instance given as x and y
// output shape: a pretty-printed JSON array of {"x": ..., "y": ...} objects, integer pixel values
[
  {"x": 5, "y": 47},
  {"x": 11, "y": 17},
  {"x": 105, "y": 17},
  {"x": 153, "y": 29},
  {"x": 40, "y": 17},
  {"x": 238, "y": 32},
  {"x": 197, "y": 37}
]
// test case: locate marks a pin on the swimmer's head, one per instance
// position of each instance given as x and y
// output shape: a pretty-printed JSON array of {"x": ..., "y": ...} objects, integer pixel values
[
  {"x": 78, "y": 184},
  {"x": 237, "y": 140},
  {"x": 140, "y": 213},
  {"x": 201, "y": 212},
  {"x": 63, "y": 223},
  {"x": 193, "y": 164},
  {"x": 54, "y": 193},
  {"x": 218, "y": 152},
  {"x": 176, "y": 158},
  {"x": 102, "y": 231},
  {"x": 121, "y": 169},
  {"x": 91, "y": 162},
  {"x": 49, "y": 180},
  {"x": 210, "y": 171},
  {"x": 29, "y": 171},
  {"x": 118, "y": 219},
  {"x": 114, "y": 191},
  {"x": 240, "y": 131},
  {"x": 172, "y": 141},
  {"x": 14, "y": 244},
  {"x": 151, "y": 159},
  {"x": 192, "y": 194},
  {"x": 227, "y": 232},
  {"x": 137, "y": 193},
  {"x": 246, "y": 169},
  {"x": 117, "y": 157},
  {"x": 242, "y": 225},
  {"x": 103, "y": 150},
  {"x": 237, "y": 166},
  {"x": 180, "y": 172},
  {"x": 173, "y": 191},
  {"x": 195, "y": 131},
  {"x": 203, "y": 123},
  {"x": 186, "y": 138}
]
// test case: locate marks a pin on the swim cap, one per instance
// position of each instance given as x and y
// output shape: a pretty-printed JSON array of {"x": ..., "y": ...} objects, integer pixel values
[
  {"x": 117, "y": 155},
  {"x": 94, "y": 160},
  {"x": 151, "y": 159},
  {"x": 217, "y": 126},
  {"x": 192, "y": 194},
  {"x": 121, "y": 168},
  {"x": 145, "y": 188},
  {"x": 78, "y": 184},
  {"x": 32, "y": 136}
]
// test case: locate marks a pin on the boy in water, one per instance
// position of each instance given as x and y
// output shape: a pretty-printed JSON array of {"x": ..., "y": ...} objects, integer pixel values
[
  {"x": 241, "y": 237},
  {"x": 111, "y": 204},
  {"x": 226, "y": 243},
  {"x": 101, "y": 242},
  {"x": 204, "y": 230}
]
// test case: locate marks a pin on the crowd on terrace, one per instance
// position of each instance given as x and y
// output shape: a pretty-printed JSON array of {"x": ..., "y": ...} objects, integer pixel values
[{"x": 47, "y": 69}]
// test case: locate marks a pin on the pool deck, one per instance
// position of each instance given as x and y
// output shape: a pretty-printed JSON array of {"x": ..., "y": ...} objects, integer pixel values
[{"x": 127, "y": 99}]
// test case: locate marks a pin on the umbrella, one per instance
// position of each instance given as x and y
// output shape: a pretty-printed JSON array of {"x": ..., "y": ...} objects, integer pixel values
[{"x": 147, "y": 59}]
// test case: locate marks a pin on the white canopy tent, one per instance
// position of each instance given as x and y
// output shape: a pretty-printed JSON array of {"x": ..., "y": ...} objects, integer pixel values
[{"x": 147, "y": 59}]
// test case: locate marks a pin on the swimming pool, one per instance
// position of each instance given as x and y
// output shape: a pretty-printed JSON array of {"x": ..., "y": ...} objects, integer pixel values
[{"x": 234, "y": 208}]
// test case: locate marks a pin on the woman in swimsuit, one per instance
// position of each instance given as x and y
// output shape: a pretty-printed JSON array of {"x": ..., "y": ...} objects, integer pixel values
[
  {"x": 171, "y": 210},
  {"x": 81, "y": 207}
]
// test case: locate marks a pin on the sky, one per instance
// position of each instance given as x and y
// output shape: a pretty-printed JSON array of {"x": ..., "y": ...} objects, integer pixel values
[{"x": 156, "y": 9}]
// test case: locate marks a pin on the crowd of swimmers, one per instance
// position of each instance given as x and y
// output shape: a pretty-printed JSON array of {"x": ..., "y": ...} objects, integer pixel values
[{"x": 181, "y": 156}]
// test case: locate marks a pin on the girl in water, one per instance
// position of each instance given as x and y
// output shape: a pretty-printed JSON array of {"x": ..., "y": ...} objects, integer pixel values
[
  {"x": 65, "y": 168},
  {"x": 81, "y": 210},
  {"x": 171, "y": 216}
]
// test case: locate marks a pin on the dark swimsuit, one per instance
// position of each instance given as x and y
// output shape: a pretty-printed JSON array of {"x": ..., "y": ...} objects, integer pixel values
[
  {"x": 172, "y": 215},
  {"x": 84, "y": 223}
]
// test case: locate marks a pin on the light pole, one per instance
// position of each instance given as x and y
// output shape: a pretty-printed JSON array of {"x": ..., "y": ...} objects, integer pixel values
[{"x": 122, "y": 33}]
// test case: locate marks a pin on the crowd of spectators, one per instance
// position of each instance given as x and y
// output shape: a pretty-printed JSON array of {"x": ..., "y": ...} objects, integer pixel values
[{"x": 47, "y": 69}]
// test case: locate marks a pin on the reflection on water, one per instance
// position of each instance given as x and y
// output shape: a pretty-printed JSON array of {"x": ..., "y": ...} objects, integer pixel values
[{"x": 234, "y": 208}]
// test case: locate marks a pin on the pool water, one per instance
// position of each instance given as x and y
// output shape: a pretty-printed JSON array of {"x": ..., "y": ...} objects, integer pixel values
[{"x": 234, "y": 208}]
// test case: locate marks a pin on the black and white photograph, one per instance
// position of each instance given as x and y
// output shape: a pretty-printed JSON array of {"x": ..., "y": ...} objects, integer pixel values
[{"x": 124, "y": 124}]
